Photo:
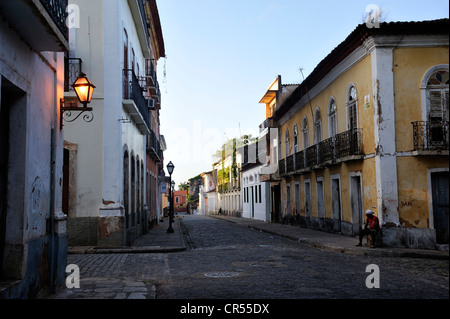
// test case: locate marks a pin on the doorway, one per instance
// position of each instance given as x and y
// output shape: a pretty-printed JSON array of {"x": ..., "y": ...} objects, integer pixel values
[
  {"x": 276, "y": 202},
  {"x": 13, "y": 105},
  {"x": 336, "y": 203},
  {"x": 440, "y": 197},
  {"x": 356, "y": 202}
]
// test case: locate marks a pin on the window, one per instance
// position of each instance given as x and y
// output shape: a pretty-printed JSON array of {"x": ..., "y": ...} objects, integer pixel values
[
  {"x": 177, "y": 199},
  {"x": 286, "y": 144},
  {"x": 432, "y": 131},
  {"x": 305, "y": 133},
  {"x": 332, "y": 118},
  {"x": 260, "y": 193},
  {"x": 437, "y": 95},
  {"x": 351, "y": 108},
  {"x": 125, "y": 49},
  {"x": 295, "y": 138},
  {"x": 317, "y": 127}
]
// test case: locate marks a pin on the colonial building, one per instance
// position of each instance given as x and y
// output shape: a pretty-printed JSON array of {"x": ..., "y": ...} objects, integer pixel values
[
  {"x": 227, "y": 177},
  {"x": 33, "y": 239},
  {"x": 155, "y": 142},
  {"x": 208, "y": 199},
  {"x": 268, "y": 153},
  {"x": 368, "y": 129},
  {"x": 114, "y": 161}
]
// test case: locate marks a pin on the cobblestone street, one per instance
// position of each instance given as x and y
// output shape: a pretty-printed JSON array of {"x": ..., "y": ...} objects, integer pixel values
[{"x": 229, "y": 261}]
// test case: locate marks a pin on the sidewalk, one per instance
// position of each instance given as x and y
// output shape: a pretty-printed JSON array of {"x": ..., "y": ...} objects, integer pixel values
[
  {"x": 330, "y": 241},
  {"x": 157, "y": 240}
]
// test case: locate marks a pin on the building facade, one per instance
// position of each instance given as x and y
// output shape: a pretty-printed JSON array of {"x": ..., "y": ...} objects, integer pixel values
[
  {"x": 115, "y": 159},
  {"x": 33, "y": 238},
  {"x": 208, "y": 197},
  {"x": 373, "y": 111},
  {"x": 227, "y": 175}
]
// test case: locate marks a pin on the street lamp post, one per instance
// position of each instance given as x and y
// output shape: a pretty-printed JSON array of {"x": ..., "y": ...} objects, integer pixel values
[{"x": 170, "y": 168}]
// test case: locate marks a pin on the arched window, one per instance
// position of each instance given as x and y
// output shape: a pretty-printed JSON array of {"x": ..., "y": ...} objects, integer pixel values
[
  {"x": 295, "y": 138},
  {"x": 352, "y": 115},
  {"x": 435, "y": 99},
  {"x": 332, "y": 117},
  {"x": 286, "y": 143},
  {"x": 317, "y": 127},
  {"x": 305, "y": 133},
  {"x": 437, "y": 96}
]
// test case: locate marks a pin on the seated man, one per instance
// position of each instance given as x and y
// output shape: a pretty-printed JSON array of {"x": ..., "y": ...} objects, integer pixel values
[{"x": 371, "y": 229}]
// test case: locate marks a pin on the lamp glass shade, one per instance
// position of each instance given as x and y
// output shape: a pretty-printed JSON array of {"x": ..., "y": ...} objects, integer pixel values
[
  {"x": 83, "y": 88},
  {"x": 170, "y": 167}
]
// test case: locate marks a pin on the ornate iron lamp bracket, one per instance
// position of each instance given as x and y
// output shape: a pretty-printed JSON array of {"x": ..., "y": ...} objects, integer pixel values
[{"x": 67, "y": 116}]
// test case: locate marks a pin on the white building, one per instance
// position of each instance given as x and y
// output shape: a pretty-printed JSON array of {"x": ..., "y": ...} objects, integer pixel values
[
  {"x": 107, "y": 156},
  {"x": 33, "y": 239},
  {"x": 208, "y": 199}
]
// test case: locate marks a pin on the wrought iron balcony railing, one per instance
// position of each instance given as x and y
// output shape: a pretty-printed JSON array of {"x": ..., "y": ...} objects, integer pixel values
[
  {"x": 133, "y": 91},
  {"x": 290, "y": 163},
  {"x": 342, "y": 147},
  {"x": 281, "y": 167},
  {"x": 430, "y": 135},
  {"x": 311, "y": 156},
  {"x": 57, "y": 11},
  {"x": 299, "y": 159},
  {"x": 348, "y": 143},
  {"x": 326, "y": 151},
  {"x": 154, "y": 147}
]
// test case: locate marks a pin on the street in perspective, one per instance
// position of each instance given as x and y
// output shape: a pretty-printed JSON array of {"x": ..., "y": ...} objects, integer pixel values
[
  {"x": 220, "y": 257},
  {"x": 224, "y": 158}
]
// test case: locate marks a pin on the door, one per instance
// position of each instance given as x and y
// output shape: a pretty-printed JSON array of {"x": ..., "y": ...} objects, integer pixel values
[
  {"x": 4, "y": 155},
  {"x": 253, "y": 204},
  {"x": 308, "y": 199},
  {"x": 440, "y": 194},
  {"x": 297, "y": 198},
  {"x": 288, "y": 199},
  {"x": 356, "y": 202},
  {"x": 336, "y": 203},
  {"x": 276, "y": 202}
]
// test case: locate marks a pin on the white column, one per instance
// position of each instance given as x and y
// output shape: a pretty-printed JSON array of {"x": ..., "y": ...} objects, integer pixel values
[{"x": 384, "y": 133}]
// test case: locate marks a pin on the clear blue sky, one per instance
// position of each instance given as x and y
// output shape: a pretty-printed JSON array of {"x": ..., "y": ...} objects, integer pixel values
[{"x": 223, "y": 54}]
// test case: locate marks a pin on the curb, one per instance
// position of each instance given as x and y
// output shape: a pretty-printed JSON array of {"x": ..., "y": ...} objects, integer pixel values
[
  {"x": 365, "y": 251},
  {"x": 125, "y": 250}
]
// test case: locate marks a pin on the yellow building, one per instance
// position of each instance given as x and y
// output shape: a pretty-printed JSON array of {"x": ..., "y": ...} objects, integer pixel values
[{"x": 368, "y": 129}]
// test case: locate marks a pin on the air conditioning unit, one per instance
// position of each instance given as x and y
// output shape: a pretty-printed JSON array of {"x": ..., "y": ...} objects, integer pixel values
[{"x": 151, "y": 104}]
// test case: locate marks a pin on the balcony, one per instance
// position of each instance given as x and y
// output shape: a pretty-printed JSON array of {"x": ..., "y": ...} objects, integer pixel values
[
  {"x": 154, "y": 148},
  {"x": 430, "y": 138},
  {"x": 134, "y": 101},
  {"x": 41, "y": 23},
  {"x": 268, "y": 123},
  {"x": 346, "y": 146}
]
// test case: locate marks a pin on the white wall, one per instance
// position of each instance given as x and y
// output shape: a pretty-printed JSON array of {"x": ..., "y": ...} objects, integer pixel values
[{"x": 260, "y": 203}]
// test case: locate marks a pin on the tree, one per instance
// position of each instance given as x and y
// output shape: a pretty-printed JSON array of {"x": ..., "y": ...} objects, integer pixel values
[{"x": 183, "y": 186}]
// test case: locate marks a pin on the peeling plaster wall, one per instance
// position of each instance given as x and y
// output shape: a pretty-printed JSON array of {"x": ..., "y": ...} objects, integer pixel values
[{"x": 34, "y": 82}]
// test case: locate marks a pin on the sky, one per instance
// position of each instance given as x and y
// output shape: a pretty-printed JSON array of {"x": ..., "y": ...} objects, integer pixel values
[{"x": 222, "y": 55}]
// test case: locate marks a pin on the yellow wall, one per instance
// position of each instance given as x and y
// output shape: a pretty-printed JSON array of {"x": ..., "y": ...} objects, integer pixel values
[
  {"x": 361, "y": 77},
  {"x": 410, "y": 66}
]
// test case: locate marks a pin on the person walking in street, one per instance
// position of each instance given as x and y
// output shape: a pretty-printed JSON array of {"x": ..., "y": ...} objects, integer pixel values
[{"x": 371, "y": 229}]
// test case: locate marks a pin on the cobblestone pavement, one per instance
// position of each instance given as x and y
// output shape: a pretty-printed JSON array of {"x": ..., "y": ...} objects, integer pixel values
[
  {"x": 228, "y": 261},
  {"x": 254, "y": 264}
]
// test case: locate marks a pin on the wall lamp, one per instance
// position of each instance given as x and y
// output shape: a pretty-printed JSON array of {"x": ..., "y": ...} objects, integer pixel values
[{"x": 84, "y": 90}]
